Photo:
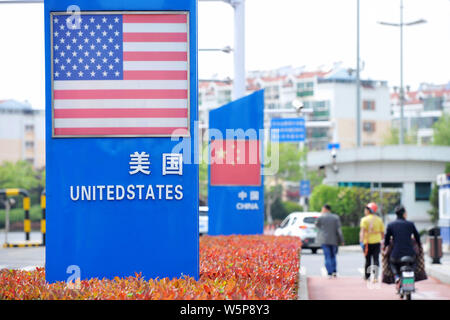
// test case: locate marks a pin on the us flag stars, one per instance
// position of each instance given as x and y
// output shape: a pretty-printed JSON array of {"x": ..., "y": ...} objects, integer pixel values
[{"x": 92, "y": 51}]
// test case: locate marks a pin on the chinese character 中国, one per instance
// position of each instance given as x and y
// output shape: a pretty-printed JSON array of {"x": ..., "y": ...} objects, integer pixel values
[
  {"x": 139, "y": 163},
  {"x": 172, "y": 163}
]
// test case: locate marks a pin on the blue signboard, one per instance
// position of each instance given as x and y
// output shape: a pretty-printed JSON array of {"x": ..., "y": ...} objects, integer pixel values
[
  {"x": 305, "y": 188},
  {"x": 334, "y": 146},
  {"x": 287, "y": 129},
  {"x": 121, "y": 98},
  {"x": 236, "y": 185}
]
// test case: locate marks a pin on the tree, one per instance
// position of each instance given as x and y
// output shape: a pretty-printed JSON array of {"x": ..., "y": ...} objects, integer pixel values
[
  {"x": 289, "y": 169},
  {"x": 203, "y": 179},
  {"x": 441, "y": 131},
  {"x": 392, "y": 137},
  {"x": 18, "y": 175},
  {"x": 349, "y": 202},
  {"x": 434, "y": 201}
]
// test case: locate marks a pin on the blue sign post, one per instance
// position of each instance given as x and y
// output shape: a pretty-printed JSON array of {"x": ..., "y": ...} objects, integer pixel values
[
  {"x": 305, "y": 188},
  {"x": 287, "y": 129},
  {"x": 121, "y": 81},
  {"x": 236, "y": 185}
]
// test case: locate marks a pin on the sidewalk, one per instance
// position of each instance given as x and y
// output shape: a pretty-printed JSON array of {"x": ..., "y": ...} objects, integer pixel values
[
  {"x": 436, "y": 287},
  {"x": 355, "y": 288}
]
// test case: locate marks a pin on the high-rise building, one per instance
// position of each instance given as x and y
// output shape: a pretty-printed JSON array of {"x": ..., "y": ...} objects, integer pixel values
[{"x": 22, "y": 133}]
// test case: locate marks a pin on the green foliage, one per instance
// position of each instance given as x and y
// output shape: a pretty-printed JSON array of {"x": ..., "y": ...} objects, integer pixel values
[
  {"x": 278, "y": 210},
  {"x": 203, "y": 179},
  {"x": 321, "y": 195},
  {"x": 349, "y": 202},
  {"x": 434, "y": 201},
  {"x": 18, "y": 175},
  {"x": 17, "y": 214},
  {"x": 351, "y": 235},
  {"x": 447, "y": 168},
  {"x": 291, "y": 206},
  {"x": 392, "y": 137},
  {"x": 441, "y": 131},
  {"x": 289, "y": 156}
]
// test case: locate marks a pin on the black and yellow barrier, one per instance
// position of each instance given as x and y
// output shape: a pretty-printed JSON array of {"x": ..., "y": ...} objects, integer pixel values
[
  {"x": 10, "y": 192},
  {"x": 43, "y": 225}
]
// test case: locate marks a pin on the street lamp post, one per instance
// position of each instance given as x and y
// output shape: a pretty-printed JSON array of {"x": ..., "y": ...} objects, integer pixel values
[
  {"x": 239, "y": 46},
  {"x": 358, "y": 85},
  {"x": 226, "y": 49},
  {"x": 402, "y": 91}
]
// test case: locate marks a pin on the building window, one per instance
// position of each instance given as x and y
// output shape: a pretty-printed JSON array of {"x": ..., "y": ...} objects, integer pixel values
[
  {"x": 423, "y": 191},
  {"x": 29, "y": 127},
  {"x": 369, "y": 126},
  {"x": 29, "y": 144},
  {"x": 305, "y": 89},
  {"x": 369, "y": 105}
]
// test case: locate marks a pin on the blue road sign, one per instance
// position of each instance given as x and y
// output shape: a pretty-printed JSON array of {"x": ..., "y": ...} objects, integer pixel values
[
  {"x": 305, "y": 188},
  {"x": 334, "y": 146},
  {"x": 287, "y": 129},
  {"x": 121, "y": 196},
  {"x": 236, "y": 188}
]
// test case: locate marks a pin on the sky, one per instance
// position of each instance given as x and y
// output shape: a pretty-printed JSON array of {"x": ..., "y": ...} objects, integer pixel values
[{"x": 277, "y": 33}]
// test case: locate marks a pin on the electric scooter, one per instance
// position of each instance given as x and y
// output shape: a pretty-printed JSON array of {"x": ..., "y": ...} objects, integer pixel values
[{"x": 406, "y": 285}]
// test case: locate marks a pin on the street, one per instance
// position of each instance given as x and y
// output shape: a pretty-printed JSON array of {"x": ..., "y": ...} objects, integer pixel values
[{"x": 349, "y": 285}]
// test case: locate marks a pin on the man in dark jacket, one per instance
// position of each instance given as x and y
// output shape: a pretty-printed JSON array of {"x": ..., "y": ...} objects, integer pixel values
[
  {"x": 401, "y": 231},
  {"x": 329, "y": 236}
]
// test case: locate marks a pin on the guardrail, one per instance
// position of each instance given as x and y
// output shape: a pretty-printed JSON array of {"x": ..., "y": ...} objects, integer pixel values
[{"x": 9, "y": 192}]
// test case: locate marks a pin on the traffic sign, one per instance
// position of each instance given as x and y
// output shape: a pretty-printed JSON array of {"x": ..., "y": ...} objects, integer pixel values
[
  {"x": 334, "y": 146},
  {"x": 305, "y": 188},
  {"x": 287, "y": 129},
  {"x": 121, "y": 81}
]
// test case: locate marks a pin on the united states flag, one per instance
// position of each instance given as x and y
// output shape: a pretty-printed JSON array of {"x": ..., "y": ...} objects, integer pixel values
[{"x": 120, "y": 75}]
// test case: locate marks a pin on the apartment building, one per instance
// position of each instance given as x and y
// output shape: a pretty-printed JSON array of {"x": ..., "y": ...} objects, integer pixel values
[
  {"x": 422, "y": 108},
  {"x": 22, "y": 133},
  {"x": 331, "y": 94}
]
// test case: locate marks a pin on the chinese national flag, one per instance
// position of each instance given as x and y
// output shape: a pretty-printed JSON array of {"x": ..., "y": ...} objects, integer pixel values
[{"x": 235, "y": 163}]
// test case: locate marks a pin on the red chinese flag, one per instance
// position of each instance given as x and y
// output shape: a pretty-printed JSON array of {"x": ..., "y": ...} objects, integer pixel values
[{"x": 235, "y": 163}]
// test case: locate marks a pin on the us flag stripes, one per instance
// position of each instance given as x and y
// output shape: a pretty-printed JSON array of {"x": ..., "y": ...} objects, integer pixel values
[{"x": 120, "y": 75}]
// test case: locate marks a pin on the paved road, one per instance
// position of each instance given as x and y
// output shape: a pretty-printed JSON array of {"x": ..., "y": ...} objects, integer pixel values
[
  {"x": 19, "y": 236},
  {"x": 350, "y": 284},
  {"x": 21, "y": 258}
]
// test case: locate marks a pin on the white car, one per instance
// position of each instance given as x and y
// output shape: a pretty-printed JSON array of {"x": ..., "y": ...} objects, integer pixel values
[
  {"x": 203, "y": 220},
  {"x": 302, "y": 225}
]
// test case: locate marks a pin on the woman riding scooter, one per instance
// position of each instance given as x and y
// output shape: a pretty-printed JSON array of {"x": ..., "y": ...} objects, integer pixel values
[{"x": 400, "y": 231}]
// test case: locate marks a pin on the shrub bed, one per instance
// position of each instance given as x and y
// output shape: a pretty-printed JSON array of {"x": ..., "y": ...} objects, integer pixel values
[
  {"x": 351, "y": 235},
  {"x": 231, "y": 267}
]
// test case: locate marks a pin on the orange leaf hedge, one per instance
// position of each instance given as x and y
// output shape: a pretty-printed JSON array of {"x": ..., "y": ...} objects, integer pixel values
[{"x": 231, "y": 267}]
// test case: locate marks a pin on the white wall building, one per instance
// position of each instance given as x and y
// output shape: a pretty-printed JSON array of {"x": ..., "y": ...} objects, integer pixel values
[
  {"x": 22, "y": 133},
  {"x": 422, "y": 108},
  {"x": 411, "y": 170}
]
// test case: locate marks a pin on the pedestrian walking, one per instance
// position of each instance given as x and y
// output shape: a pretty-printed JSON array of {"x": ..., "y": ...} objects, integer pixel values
[
  {"x": 370, "y": 236},
  {"x": 329, "y": 236}
]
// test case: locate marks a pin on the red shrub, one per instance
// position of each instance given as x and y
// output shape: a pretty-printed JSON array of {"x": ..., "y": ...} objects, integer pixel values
[{"x": 231, "y": 267}]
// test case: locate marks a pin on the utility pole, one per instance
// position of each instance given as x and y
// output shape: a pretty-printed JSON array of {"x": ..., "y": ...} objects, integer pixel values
[
  {"x": 239, "y": 46},
  {"x": 358, "y": 85},
  {"x": 402, "y": 91}
]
